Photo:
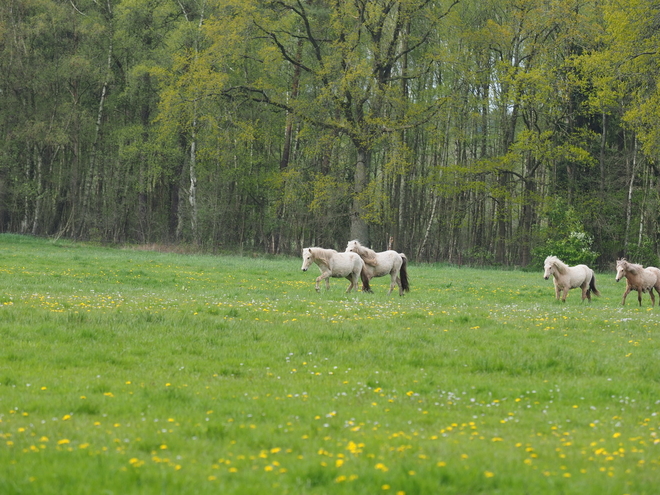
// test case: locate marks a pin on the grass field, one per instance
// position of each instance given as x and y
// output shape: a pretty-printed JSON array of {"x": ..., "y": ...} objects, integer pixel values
[{"x": 126, "y": 371}]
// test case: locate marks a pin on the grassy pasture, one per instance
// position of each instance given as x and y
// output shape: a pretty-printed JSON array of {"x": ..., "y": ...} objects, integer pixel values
[{"x": 125, "y": 371}]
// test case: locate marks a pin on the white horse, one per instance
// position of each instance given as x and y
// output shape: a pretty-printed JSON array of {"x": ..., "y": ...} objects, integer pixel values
[
  {"x": 334, "y": 264},
  {"x": 638, "y": 278},
  {"x": 380, "y": 264},
  {"x": 569, "y": 277}
]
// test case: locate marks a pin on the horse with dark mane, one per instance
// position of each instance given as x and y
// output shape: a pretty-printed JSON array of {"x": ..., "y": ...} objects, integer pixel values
[
  {"x": 380, "y": 264},
  {"x": 638, "y": 278},
  {"x": 567, "y": 277}
]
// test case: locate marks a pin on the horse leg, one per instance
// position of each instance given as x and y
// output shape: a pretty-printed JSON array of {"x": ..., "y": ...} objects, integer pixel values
[
  {"x": 393, "y": 283},
  {"x": 365, "y": 288},
  {"x": 585, "y": 291},
  {"x": 652, "y": 297},
  {"x": 324, "y": 276},
  {"x": 639, "y": 296},
  {"x": 353, "y": 282},
  {"x": 625, "y": 294},
  {"x": 356, "y": 279}
]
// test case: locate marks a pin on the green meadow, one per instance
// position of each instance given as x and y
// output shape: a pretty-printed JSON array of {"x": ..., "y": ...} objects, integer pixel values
[{"x": 125, "y": 371}]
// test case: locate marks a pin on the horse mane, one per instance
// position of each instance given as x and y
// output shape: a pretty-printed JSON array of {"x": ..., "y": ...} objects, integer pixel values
[
  {"x": 322, "y": 253},
  {"x": 633, "y": 268},
  {"x": 367, "y": 255},
  {"x": 559, "y": 264}
]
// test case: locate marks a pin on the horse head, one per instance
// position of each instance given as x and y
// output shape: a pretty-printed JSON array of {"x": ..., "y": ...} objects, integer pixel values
[
  {"x": 621, "y": 268},
  {"x": 308, "y": 258},
  {"x": 353, "y": 246},
  {"x": 548, "y": 267}
]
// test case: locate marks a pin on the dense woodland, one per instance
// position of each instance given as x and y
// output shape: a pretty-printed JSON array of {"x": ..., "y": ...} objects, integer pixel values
[{"x": 487, "y": 132}]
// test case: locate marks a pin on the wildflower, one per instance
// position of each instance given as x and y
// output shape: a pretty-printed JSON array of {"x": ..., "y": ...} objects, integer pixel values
[
  {"x": 382, "y": 467},
  {"x": 489, "y": 474}
]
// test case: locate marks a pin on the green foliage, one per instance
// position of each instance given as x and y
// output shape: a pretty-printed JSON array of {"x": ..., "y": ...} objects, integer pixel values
[
  {"x": 564, "y": 236},
  {"x": 644, "y": 253},
  {"x": 176, "y": 121}
]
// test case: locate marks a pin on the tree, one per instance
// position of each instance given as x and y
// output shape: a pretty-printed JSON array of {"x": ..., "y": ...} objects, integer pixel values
[{"x": 350, "y": 59}]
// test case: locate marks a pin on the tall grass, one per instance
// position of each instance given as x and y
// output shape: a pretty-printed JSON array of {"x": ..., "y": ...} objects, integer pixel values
[{"x": 125, "y": 371}]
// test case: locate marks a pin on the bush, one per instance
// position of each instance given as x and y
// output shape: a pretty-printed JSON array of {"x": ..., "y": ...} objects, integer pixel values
[{"x": 564, "y": 237}]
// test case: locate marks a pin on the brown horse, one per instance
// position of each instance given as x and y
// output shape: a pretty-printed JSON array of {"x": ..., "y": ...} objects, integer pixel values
[{"x": 638, "y": 278}]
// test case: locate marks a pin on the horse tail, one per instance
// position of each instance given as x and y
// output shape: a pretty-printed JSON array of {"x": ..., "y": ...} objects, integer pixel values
[
  {"x": 592, "y": 284},
  {"x": 403, "y": 273},
  {"x": 365, "y": 280}
]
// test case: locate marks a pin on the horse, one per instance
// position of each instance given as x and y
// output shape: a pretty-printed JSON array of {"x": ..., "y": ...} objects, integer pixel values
[
  {"x": 380, "y": 264},
  {"x": 335, "y": 264},
  {"x": 638, "y": 278},
  {"x": 570, "y": 277}
]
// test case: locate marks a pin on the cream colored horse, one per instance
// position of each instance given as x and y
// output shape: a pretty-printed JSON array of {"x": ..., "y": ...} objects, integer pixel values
[
  {"x": 567, "y": 277},
  {"x": 380, "y": 264},
  {"x": 335, "y": 264},
  {"x": 638, "y": 278}
]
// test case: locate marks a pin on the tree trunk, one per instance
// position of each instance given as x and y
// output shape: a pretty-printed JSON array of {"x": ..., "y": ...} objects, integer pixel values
[
  {"x": 92, "y": 177},
  {"x": 192, "y": 191},
  {"x": 359, "y": 228},
  {"x": 631, "y": 185}
]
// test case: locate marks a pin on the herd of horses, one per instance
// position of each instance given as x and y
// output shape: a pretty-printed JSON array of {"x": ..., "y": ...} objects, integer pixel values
[
  {"x": 361, "y": 263},
  {"x": 358, "y": 262},
  {"x": 639, "y": 278}
]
